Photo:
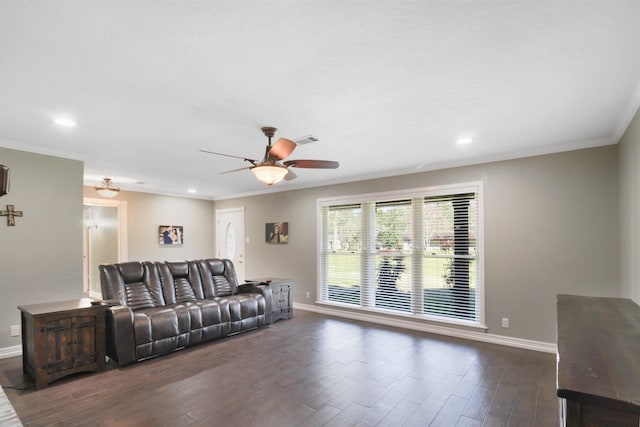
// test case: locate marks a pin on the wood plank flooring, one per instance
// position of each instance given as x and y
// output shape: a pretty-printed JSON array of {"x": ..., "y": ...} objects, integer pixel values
[{"x": 311, "y": 370}]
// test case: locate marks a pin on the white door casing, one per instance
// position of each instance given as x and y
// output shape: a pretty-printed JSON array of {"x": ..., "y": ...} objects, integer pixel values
[{"x": 230, "y": 238}]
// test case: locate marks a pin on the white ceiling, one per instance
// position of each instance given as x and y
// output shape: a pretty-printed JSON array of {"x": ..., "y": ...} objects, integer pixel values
[{"x": 387, "y": 86}]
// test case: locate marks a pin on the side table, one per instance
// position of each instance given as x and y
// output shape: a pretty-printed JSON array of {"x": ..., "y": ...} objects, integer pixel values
[
  {"x": 281, "y": 299},
  {"x": 62, "y": 338}
]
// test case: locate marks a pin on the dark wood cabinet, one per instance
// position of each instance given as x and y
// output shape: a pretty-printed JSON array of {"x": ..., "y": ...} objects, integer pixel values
[
  {"x": 281, "y": 297},
  {"x": 598, "y": 361},
  {"x": 62, "y": 338},
  {"x": 281, "y": 291}
]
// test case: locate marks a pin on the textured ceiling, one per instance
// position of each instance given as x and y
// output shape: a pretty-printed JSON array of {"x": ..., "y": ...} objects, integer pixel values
[{"x": 386, "y": 86}]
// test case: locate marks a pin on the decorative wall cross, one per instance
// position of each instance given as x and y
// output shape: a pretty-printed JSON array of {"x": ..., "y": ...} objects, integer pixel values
[{"x": 11, "y": 214}]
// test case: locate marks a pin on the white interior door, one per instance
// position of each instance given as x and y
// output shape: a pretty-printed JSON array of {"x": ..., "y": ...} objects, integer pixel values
[{"x": 230, "y": 238}]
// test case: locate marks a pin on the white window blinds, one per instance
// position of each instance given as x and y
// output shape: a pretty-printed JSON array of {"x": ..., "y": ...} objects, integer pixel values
[
  {"x": 415, "y": 255},
  {"x": 449, "y": 279},
  {"x": 394, "y": 242},
  {"x": 342, "y": 248}
]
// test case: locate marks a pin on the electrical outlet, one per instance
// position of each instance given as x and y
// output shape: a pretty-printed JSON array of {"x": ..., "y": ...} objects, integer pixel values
[
  {"x": 505, "y": 322},
  {"x": 308, "y": 294},
  {"x": 15, "y": 330}
]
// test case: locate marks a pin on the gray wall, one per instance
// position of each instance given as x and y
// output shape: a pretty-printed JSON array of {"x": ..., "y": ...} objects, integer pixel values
[
  {"x": 629, "y": 158},
  {"x": 145, "y": 212},
  {"x": 41, "y": 257},
  {"x": 551, "y": 226}
]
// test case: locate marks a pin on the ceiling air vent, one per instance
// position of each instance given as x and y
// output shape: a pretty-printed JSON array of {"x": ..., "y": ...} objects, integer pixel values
[{"x": 306, "y": 140}]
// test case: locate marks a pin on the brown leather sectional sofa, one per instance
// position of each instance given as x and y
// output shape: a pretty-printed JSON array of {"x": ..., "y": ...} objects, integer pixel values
[{"x": 155, "y": 308}]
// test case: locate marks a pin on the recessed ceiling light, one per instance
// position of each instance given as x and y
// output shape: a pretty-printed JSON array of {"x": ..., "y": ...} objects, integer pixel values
[
  {"x": 463, "y": 141},
  {"x": 65, "y": 121},
  {"x": 191, "y": 191}
]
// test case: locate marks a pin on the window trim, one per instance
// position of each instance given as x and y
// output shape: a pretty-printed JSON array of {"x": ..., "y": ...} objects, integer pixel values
[{"x": 413, "y": 193}]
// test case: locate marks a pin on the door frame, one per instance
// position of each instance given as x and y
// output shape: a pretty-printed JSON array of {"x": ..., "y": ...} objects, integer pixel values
[{"x": 121, "y": 206}]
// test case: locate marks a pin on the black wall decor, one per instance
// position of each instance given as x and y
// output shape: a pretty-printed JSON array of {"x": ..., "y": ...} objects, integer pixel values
[{"x": 4, "y": 180}]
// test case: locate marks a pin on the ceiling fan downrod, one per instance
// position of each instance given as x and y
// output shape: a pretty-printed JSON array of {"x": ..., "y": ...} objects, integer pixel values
[{"x": 269, "y": 132}]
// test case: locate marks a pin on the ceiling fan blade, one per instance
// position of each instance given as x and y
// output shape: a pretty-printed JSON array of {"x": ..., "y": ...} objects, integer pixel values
[
  {"x": 236, "y": 170},
  {"x": 290, "y": 175},
  {"x": 312, "y": 164},
  {"x": 282, "y": 148},
  {"x": 229, "y": 155}
]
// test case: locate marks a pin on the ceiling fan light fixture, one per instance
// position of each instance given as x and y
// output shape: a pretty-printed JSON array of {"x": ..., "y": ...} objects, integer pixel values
[
  {"x": 106, "y": 189},
  {"x": 269, "y": 174}
]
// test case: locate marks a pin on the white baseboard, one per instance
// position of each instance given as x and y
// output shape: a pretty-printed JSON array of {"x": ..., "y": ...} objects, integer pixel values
[
  {"x": 15, "y": 350},
  {"x": 435, "y": 329}
]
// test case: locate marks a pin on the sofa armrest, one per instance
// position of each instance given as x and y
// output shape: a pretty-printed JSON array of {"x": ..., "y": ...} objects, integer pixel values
[
  {"x": 264, "y": 290},
  {"x": 107, "y": 302},
  {"x": 247, "y": 287},
  {"x": 120, "y": 340}
]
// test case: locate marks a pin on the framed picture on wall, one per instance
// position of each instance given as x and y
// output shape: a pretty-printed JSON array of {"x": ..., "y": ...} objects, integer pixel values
[
  {"x": 171, "y": 234},
  {"x": 276, "y": 232}
]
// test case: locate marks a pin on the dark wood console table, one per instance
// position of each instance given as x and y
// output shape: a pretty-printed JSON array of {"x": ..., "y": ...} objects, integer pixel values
[
  {"x": 598, "y": 361},
  {"x": 62, "y": 338}
]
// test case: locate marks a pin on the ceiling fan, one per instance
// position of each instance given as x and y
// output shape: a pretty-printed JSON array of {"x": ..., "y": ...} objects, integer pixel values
[{"x": 272, "y": 169}]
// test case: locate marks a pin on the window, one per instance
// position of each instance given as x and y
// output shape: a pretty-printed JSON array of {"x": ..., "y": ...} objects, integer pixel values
[
  {"x": 341, "y": 259},
  {"x": 450, "y": 256},
  {"x": 413, "y": 253}
]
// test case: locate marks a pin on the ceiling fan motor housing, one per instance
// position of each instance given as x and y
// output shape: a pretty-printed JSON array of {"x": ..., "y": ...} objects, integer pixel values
[{"x": 269, "y": 131}]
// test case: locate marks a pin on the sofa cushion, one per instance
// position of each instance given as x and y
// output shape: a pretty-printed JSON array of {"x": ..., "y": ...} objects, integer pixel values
[
  {"x": 133, "y": 284},
  {"x": 218, "y": 277},
  {"x": 246, "y": 311},
  {"x": 209, "y": 320},
  {"x": 180, "y": 281},
  {"x": 131, "y": 271},
  {"x": 184, "y": 291},
  {"x": 222, "y": 286},
  {"x": 160, "y": 330},
  {"x": 157, "y": 323},
  {"x": 138, "y": 296}
]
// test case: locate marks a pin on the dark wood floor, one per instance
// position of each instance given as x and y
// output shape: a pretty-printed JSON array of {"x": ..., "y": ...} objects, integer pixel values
[{"x": 309, "y": 371}]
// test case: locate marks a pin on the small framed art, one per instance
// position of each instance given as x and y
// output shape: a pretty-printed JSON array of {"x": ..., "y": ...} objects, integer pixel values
[
  {"x": 171, "y": 234},
  {"x": 277, "y": 232}
]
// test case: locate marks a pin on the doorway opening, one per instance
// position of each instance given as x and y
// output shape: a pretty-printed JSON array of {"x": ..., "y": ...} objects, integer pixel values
[{"x": 104, "y": 239}]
